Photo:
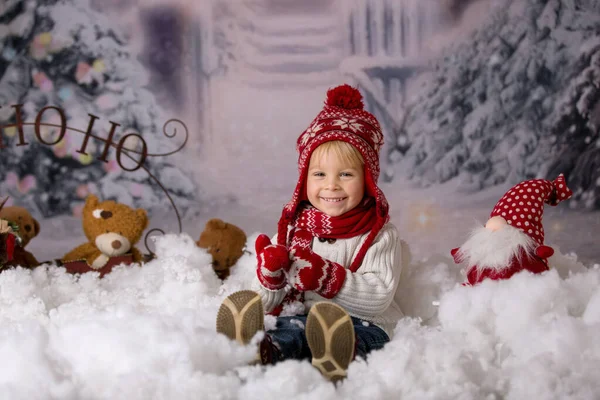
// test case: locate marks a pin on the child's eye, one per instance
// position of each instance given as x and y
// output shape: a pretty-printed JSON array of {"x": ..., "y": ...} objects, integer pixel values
[
  {"x": 318, "y": 174},
  {"x": 346, "y": 174}
]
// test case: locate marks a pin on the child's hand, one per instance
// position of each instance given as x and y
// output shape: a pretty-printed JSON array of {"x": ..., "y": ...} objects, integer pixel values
[
  {"x": 273, "y": 261},
  {"x": 311, "y": 272}
]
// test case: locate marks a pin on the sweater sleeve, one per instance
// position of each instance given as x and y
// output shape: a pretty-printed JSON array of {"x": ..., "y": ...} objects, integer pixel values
[
  {"x": 370, "y": 290},
  {"x": 270, "y": 298}
]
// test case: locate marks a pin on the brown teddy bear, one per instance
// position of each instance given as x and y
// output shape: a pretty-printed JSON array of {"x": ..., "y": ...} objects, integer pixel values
[
  {"x": 28, "y": 228},
  {"x": 112, "y": 230},
  {"x": 224, "y": 242}
]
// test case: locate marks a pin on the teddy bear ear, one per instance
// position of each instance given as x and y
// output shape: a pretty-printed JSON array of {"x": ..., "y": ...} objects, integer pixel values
[
  {"x": 3, "y": 202},
  {"x": 215, "y": 223},
  {"x": 90, "y": 202}
]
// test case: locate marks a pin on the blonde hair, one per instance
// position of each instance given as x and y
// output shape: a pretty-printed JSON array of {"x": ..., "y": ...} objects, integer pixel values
[{"x": 343, "y": 150}]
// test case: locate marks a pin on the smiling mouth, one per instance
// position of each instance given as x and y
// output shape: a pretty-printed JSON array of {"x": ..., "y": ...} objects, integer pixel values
[{"x": 333, "y": 199}]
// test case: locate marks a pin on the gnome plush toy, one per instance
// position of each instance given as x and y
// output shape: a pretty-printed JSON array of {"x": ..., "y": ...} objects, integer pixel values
[{"x": 512, "y": 239}]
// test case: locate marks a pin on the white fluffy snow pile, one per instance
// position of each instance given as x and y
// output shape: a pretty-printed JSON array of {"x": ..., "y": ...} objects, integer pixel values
[{"x": 148, "y": 333}]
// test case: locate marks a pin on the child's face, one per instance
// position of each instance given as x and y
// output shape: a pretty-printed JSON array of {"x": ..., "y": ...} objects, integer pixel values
[{"x": 334, "y": 186}]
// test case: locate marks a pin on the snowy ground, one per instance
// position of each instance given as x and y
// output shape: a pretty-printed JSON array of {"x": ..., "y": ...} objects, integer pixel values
[{"x": 148, "y": 333}]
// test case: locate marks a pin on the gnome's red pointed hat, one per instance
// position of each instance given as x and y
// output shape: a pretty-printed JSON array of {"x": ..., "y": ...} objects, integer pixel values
[
  {"x": 342, "y": 118},
  {"x": 523, "y": 205}
]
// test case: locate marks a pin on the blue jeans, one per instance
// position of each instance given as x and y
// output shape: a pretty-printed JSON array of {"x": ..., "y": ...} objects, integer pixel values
[{"x": 290, "y": 339}]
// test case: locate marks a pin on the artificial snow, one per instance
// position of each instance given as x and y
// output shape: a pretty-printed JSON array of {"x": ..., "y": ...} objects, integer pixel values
[{"x": 149, "y": 332}]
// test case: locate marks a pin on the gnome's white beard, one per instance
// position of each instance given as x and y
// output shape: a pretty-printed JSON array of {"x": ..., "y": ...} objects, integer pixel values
[{"x": 495, "y": 249}]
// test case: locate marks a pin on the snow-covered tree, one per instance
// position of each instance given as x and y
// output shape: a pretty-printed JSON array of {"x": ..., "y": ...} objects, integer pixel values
[
  {"x": 515, "y": 101},
  {"x": 576, "y": 132},
  {"x": 65, "y": 54}
]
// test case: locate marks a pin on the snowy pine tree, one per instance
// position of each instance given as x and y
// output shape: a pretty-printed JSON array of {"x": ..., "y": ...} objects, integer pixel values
[
  {"x": 63, "y": 53},
  {"x": 576, "y": 132},
  {"x": 515, "y": 101}
]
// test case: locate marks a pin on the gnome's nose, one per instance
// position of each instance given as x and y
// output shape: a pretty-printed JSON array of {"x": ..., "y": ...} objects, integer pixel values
[
  {"x": 495, "y": 223},
  {"x": 116, "y": 244}
]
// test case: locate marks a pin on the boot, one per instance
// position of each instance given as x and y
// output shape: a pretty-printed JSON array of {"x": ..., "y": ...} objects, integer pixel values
[
  {"x": 330, "y": 336},
  {"x": 241, "y": 316}
]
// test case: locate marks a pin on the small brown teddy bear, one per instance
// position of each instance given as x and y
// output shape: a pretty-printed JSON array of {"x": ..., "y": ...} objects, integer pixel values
[
  {"x": 224, "y": 242},
  {"x": 29, "y": 228},
  {"x": 112, "y": 230}
]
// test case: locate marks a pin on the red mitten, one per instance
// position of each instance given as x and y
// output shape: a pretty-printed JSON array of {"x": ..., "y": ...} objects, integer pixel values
[
  {"x": 455, "y": 256},
  {"x": 311, "y": 272},
  {"x": 273, "y": 261}
]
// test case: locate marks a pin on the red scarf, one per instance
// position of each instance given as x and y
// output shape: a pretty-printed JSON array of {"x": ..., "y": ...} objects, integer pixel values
[{"x": 355, "y": 222}]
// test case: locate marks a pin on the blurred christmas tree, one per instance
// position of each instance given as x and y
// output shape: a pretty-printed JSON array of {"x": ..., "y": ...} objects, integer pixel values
[{"x": 63, "y": 53}]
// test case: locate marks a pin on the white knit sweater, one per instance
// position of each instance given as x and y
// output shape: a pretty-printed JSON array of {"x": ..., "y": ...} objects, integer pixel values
[{"x": 367, "y": 293}]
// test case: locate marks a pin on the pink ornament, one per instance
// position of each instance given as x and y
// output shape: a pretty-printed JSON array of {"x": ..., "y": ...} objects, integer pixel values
[
  {"x": 111, "y": 166},
  {"x": 106, "y": 101},
  {"x": 82, "y": 72},
  {"x": 43, "y": 82},
  {"x": 47, "y": 86},
  {"x": 60, "y": 151},
  {"x": 27, "y": 184},
  {"x": 82, "y": 191},
  {"x": 38, "y": 52},
  {"x": 12, "y": 180},
  {"x": 136, "y": 190}
]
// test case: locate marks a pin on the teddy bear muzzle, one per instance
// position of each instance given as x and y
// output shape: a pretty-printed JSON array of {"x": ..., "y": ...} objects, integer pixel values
[{"x": 112, "y": 244}]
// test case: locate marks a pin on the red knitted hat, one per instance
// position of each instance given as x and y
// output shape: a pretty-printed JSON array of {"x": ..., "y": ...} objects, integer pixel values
[
  {"x": 522, "y": 206},
  {"x": 342, "y": 118}
]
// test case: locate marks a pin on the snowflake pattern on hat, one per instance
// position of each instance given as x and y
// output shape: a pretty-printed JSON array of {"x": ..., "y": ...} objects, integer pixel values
[
  {"x": 523, "y": 205},
  {"x": 347, "y": 122}
]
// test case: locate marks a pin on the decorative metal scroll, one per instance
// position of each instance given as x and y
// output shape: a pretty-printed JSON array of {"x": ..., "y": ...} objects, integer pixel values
[{"x": 121, "y": 150}]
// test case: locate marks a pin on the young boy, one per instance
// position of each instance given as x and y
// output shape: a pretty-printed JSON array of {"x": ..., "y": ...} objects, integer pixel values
[{"x": 335, "y": 251}]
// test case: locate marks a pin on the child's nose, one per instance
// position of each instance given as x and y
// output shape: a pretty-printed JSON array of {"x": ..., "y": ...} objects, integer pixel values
[{"x": 333, "y": 183}]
